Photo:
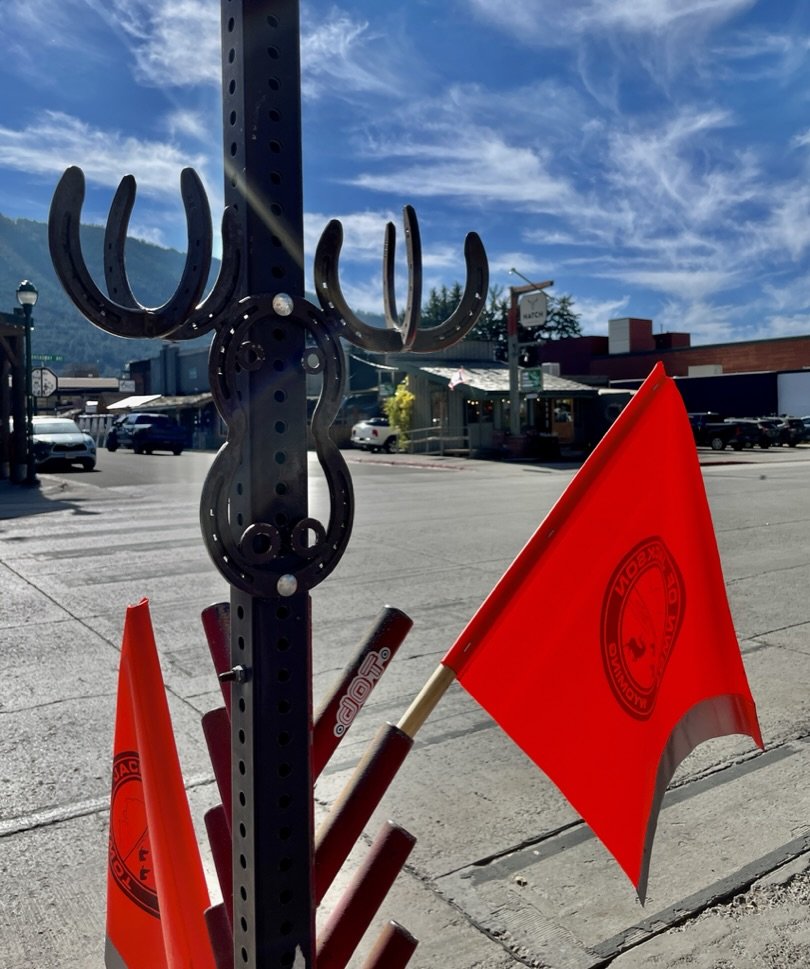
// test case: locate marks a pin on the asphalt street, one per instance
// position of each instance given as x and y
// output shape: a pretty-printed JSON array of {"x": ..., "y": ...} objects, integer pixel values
[{"x": 504, "y": 873}]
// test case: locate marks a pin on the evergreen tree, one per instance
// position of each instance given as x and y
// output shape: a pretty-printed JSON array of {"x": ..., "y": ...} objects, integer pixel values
[{"x": 561, "y": 321}]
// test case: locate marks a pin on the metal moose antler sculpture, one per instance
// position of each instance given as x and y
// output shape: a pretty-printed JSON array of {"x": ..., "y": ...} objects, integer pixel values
[{"x": 254, "y": 513}]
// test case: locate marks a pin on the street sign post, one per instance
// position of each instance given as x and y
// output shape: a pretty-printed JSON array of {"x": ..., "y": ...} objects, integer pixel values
[{"x": 44, "y": 382}]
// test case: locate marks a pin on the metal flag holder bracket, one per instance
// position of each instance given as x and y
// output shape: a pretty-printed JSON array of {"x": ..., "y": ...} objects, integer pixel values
[{"x": 266, "y": 745}]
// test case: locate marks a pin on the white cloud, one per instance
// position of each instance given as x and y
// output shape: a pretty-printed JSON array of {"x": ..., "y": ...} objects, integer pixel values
[
  {"x": 55, "y": 140},
  {"x": 172, "y": 42},
  {"x": 342, "y": 55},
  {"x": 684, "y": 283},
  {"x": 595, "y": 313},
  {"x": 550, "y": 23},
  {"x": 477, "y": 167}
]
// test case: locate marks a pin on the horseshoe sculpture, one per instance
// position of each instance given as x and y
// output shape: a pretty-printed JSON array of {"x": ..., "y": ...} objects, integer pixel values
[
  {"x": 254, "y": 558},
  {"x": 399, "y": 336},
  {"x": 120, "y": 313},
  {"x": 262, "y": 554}
]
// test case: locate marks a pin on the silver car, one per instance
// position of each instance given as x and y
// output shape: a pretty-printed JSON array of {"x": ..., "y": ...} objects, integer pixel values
[{"x": 59, "y": 439}]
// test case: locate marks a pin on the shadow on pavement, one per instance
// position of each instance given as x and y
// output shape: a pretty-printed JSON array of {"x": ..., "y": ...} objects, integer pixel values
[{"x": 25, "y": 501}]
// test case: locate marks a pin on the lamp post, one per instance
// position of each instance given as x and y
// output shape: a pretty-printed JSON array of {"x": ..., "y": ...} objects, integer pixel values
[{"x": 27, "y": 296}]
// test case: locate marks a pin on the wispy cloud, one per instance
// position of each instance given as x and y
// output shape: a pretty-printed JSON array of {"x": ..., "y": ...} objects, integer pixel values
[
  {"x": 550, "y": 23},
  {"x": 54, "y": 141}
]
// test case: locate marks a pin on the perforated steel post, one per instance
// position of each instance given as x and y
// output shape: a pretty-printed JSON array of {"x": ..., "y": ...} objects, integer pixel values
[
  {"x": 253, "y": 509},
  {"x": 270, "y": 634}
]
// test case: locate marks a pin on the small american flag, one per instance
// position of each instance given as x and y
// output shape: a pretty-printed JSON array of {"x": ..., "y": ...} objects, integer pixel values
[{"x": 459, "y": 377}]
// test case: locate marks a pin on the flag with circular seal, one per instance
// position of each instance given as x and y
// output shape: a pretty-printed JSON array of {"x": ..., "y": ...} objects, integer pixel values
[{"x": 607, "y": 650}]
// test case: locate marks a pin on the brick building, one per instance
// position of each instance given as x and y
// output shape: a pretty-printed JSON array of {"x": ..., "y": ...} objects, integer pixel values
[{"x": 631, "y": 349}]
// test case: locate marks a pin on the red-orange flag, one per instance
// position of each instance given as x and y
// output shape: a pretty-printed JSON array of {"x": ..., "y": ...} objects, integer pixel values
[
  {"x": 156, "y": 890},
  {"x": 607, "y": 651}
]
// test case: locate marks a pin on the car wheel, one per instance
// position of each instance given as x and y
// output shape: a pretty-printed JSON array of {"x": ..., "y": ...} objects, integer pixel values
[
  {"x": 88, "y": 464},
  {"x": 177, "y": 450},
  {"x": 112, "y": 446},
  {"x": 137, "y": 449},
  {"x": 718, "y": 444},
  {"x": 389, "y": 445},
  {"x": 764, "y": 445},
  {"x": 374, "y": 450}
]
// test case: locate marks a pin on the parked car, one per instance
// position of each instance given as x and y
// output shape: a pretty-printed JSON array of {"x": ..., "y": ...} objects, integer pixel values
[
  {"x": 59, "y": 440},
  {"x": 146, "y": 433},
  {"x": 374, "y": 434},
  {"x": 791, "y": 431},
  {"x": 759, "y": 431},
  {"x": 709, "y": 430}
]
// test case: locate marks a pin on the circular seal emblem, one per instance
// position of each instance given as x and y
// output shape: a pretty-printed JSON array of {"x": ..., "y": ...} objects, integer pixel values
[
  {"x": 642, "y": 612},
  {"x": 130, "y": 852}
]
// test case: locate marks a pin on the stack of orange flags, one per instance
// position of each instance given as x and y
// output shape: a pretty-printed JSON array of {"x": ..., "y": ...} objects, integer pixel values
[{"x": 156, "y": 889}]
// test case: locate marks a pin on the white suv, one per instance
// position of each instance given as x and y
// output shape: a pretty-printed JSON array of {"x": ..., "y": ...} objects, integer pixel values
[{"x": 375, "y": 434}]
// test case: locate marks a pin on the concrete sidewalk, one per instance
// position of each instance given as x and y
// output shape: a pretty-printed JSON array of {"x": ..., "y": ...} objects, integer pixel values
[{"x": 64, "y": 568}]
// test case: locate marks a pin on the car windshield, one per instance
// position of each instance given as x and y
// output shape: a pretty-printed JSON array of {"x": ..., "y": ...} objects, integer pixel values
[{"x": 62, "y": 426}]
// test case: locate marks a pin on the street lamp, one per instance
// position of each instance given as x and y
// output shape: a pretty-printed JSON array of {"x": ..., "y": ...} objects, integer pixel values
[{"x": 27, "y": 296}]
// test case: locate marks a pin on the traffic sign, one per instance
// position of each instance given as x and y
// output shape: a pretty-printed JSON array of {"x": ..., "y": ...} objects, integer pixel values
[
  {"x": 533, "y": 309},
  {"x": 43, "y": 382}
]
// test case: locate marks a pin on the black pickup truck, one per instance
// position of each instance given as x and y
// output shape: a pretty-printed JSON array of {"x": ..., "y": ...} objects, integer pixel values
[
  {"x": 710, "y": 430},
  {"x": 146, "y": 433}
]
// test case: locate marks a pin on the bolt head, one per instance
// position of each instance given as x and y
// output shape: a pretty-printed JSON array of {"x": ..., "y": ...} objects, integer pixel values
[
  {"x": 287, "y": 585},
  {"x": 283, "y": 304}
]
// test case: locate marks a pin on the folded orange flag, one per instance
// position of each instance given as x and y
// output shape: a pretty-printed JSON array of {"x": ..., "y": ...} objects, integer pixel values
[
  {"x": 607, "y": 651},
  {"x": 156, "y": 890}
]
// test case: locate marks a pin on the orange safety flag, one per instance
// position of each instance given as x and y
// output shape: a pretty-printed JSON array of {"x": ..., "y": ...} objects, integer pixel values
[
  {"x": 156, "y": 889},
  {"x": 607, "y": 651}
]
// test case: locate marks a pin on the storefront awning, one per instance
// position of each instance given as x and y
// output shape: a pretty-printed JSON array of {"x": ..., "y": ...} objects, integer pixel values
[{"x": 133, "y": 403}]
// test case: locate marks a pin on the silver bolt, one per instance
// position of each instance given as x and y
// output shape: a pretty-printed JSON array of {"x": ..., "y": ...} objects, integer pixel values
[
  {"x": 283, "y": 304},
  {"x": 287, "y": 585}
]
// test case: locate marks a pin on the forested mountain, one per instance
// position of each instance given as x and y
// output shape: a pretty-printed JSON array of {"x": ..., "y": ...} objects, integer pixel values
[{"x": 59, "y": 328}]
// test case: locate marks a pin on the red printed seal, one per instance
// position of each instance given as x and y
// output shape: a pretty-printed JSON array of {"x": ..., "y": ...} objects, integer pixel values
[
  {"x": 130, "y": 853},
  {"x": 642, "y": 613}
]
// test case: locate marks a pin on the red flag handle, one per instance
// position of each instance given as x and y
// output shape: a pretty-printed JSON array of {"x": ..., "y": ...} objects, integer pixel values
[
  {"x": 219, "y": 836},
  {"x": 216, "y": 620},
  {"x": 339, "y": 709},
  {"x": 355, "y": 805},
  {"x": 393, "y": 949},
  {"x": 369, "y": 782},
  {"x": 221, "y": 936},
  {"x": 352, "y": 916},
  {"x": 217, "y": 730}
]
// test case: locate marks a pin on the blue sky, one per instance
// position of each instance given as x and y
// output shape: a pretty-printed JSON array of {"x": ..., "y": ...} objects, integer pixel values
[{"x": 650, "y": 156}]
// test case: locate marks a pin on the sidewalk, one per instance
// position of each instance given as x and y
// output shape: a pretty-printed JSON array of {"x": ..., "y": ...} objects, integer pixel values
[{"x": 59, "y": 632}]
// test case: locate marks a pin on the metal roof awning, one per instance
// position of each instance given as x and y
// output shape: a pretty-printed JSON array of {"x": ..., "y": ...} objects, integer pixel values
[
  {"x": 492, "y": 379},
  {"x": 130, "y": 403}
]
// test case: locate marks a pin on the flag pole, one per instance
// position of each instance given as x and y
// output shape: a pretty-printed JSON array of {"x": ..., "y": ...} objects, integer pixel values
[{"x": 426, "y": 700}]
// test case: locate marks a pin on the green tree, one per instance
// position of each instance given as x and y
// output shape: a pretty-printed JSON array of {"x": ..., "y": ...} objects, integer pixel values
[
  {"x": 562, "y": 320},
  {"x": 399, "y": 411}
]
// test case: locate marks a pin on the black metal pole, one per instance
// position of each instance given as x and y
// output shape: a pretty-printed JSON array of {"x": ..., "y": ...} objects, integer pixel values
[
  {"x": 30, "y": 468},
  {"x": 274, "y": 911}
]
